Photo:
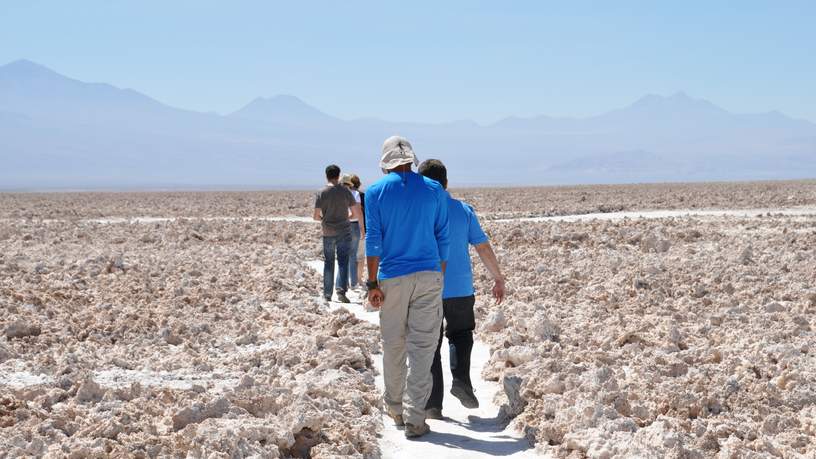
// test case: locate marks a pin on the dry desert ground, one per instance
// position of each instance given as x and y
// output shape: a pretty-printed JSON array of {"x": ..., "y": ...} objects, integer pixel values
[{"x": 188, "y": 325}]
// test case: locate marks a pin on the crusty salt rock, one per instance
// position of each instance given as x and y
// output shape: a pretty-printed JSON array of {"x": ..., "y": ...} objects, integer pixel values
[
  {"x": 653, "y": 242},
  {"x": 495, "y": 321},
  {"x": 247, "y": 338},
  {"x": 199, "y": 412},
  {"x": 675, "y": 369},
  {"x": 640, "y": 283},
  {"x": 628, "y": 338},
  {"x": 773, "y": 306},
  {"x": 699, "y": 290},
  {"x": 674, "y": 335},
  {"x": 89, "y": 391},
  {"x": 5, "y": 353},
  {"x": 554, "y": 385},
  {"x": 746, "y": 255},
  {"x": 515, "y": 355},
  {"x": 571, "y": 236},
  {"x": 811, "y": 297},
  {"x": 544, "y": 328},
  {"x": 21, "y": 329},
  {"x": 170, "y": 337},
  {"x": 515, "y": 402},
  {"x": 247, "y": 381},
  {"x": 653, "y": 270}
]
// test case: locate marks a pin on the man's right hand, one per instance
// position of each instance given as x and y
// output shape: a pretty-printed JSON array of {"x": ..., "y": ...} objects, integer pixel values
[{"x": 376, "y": 297}]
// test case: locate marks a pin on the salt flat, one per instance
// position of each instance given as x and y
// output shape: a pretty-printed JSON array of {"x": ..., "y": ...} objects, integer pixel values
[{"x": 641, "y": 321}]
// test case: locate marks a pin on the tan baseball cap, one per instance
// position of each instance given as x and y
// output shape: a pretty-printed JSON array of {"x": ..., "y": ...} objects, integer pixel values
[
  {"x": 346, "y": 180},
  {"x": 397, "y": 151}
]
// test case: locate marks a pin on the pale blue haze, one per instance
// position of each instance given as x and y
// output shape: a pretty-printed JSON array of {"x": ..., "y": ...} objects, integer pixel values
[{"x": 429, "y": 61}]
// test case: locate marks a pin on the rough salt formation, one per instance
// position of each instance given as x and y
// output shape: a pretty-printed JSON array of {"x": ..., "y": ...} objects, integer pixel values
[
  {"x": 176, "y": 339},
  {"x": 492, "y": 203},
  {"x": 203, "y": 338},
  {"x": 681, "y": 338},
  {"x": 148, "y": 204},
  {"x": 495, "y": 203}
]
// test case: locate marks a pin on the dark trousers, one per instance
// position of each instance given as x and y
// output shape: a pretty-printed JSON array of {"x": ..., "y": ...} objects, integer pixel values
[
  {"x": 459, "y": 325},
  {"x": 342, "y": 245}
]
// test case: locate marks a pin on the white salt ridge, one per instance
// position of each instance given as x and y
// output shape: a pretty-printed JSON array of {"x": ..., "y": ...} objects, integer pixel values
[
  {"x": 463, "y": 433},
  {"x": 16, "y": 374},
  {"x": 183, "y": 379},
  {"x": 146, "y": 220},
  {"x": 639, "y": 214},
  {"x": 17, "y": 377},
  {"x": 653, "y": 214},
  {"x": 118, "y": 378},
  {"x": 23, "y": 379}
]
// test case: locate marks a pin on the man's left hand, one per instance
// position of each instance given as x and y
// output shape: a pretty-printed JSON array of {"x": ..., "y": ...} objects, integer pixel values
[{"x": 498, "y": 290}]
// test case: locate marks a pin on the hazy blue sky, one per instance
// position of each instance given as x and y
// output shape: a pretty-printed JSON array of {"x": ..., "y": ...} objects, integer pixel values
[{"x": 429, "y": 61}]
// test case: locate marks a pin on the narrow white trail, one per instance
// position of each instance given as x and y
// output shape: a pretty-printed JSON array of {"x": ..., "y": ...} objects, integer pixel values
[
  {"x": 651, "y": 214},
  {"x": 803, "y": 211},
  {"x": 463, "y": 433}
]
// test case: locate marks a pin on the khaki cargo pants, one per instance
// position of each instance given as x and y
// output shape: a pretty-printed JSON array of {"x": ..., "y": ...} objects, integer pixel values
[{"x": 410, "y": 318}]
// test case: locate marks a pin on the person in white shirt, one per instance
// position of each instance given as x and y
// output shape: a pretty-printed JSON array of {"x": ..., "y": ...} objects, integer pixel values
[
  {"x": 357, "y": 232},
  {"x": 356, "y": 184}
]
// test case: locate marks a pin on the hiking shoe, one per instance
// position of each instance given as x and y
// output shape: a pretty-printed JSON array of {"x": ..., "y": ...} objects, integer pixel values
[
  {"x": 327, "y": 298},
  {"x": 412, "y": 431},
  {"x": 434, "y": 413},
  {"x": 396, "y": 417},
  {"x": 342, "y": 298},
  {"x": 465, "y": 394}
]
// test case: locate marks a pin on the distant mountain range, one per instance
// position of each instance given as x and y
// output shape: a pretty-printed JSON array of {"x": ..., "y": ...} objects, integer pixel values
[{"x": 59, "y": 132}]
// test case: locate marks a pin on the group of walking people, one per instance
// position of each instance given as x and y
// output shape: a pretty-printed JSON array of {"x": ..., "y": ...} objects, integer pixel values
[
  {"x": 416, "y": 245},
  {"x": 339, "y": 206}
]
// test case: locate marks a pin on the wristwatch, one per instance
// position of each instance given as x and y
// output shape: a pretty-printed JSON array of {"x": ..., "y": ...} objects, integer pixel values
[{"x": 371, "y": 285}]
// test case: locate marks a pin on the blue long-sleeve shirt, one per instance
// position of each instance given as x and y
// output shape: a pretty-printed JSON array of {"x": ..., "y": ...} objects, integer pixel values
[{"x": 407, "y": 224}]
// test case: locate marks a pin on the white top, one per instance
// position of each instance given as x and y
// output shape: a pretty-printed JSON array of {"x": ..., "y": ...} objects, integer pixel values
[{"x": 356, "y": 195}]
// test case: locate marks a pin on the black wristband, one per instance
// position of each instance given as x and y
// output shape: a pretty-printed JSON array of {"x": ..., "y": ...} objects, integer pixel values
[{"x": 370, "y": 285}]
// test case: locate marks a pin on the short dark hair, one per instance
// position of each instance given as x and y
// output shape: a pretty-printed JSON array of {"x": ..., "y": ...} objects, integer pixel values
[
  {"x": 332, "y": 172},
  {"x": 435, "y": 170}
]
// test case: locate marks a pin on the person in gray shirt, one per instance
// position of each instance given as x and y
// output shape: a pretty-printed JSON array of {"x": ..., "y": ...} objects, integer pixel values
[{"x": 332, "y": 205}]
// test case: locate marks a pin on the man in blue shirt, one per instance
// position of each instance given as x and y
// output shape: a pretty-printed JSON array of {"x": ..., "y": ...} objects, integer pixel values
[
  {"x": 407, "y": 246},
  {"x": 458, "y": 297}
]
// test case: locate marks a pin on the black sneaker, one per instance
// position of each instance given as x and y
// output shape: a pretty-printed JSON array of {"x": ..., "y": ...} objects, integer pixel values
[
  {"x": 327, "y": 298},
  {"x": 342, "y": 298},
  {"x": 465, "y": 394},
  {"x": 434, "y": 413}
]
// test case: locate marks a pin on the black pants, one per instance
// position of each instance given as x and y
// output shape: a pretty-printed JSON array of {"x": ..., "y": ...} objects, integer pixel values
[{"x": 459, "y": 325}]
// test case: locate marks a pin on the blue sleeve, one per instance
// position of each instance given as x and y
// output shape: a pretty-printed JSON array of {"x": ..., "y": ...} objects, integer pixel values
[
  {"x": 373, "y": 237},
  {"x": 441, "y": 227},
  {"x": 476, "y": 235}
]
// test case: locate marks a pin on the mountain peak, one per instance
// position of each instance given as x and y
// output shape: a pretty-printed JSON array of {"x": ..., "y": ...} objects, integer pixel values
[
  {"x": 677, "y": 101},
  {"x": 280, "y": 107},
  {"x": 26, "y": 68}
]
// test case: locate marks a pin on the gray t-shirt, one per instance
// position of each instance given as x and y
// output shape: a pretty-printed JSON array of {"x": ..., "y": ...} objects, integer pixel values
[{"x": 334, "y": 202}]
